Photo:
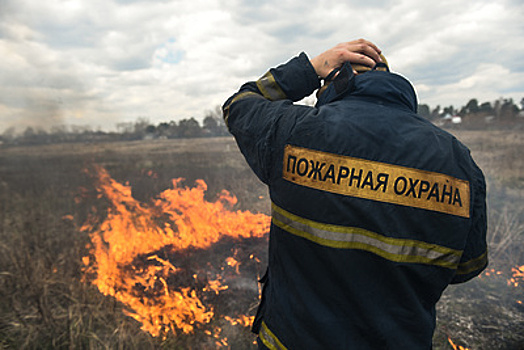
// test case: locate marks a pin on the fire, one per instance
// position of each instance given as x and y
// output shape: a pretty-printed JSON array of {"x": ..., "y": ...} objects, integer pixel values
[
  {"x": 518, "y": 276},
  {"x": 456, "y": 347},
  {"x": 490, "y": 272},
  {"x": 216, "y": 286},
  {"x": 133, "y": 250},
  {"x": 515, "y": 280},
  {"x": 234, "y": 263},
  {"x": 242, "y": 320}
]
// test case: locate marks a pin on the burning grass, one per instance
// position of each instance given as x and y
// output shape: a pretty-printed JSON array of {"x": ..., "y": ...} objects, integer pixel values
[
  {"x": 126, "y": 245},
  {"x": 55, "y": 240}
]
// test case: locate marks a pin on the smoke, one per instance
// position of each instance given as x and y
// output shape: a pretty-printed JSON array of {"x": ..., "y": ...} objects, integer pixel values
[
  {"x": 41, "y": 110},
  {"x": 37, "y": 106},
  {"x": 40, "y": 87}
]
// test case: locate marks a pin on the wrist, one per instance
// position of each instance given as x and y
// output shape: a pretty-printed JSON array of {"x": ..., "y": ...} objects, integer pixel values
[
  {"x": 311, "y": 76},
  {"x": 317, "y": 64}
]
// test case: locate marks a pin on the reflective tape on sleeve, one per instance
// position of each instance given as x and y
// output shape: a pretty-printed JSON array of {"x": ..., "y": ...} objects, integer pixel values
[
  {"x": 269, "y": 339},
  {"x": 240, "y": 96},
  {"x": 269, "y": 88},
  {"x": 343, "y": 237},
  {"x": 473, "y": 265}
]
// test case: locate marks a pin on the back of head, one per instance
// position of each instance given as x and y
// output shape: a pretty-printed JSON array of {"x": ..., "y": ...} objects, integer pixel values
[{"x": 359, "y": 68}]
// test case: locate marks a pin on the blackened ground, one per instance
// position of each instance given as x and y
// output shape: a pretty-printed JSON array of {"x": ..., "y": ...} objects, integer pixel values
[{"x": 45, "y": 196}]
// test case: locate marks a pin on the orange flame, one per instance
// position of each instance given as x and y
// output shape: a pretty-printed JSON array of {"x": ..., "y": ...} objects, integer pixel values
[
  {"x": 242, "y": 320},
  {"x": 490, "y": 272},
  {"x": 233, "y": 263},
  {"x": 457, "y": 347},
  {"x": 518, "y": 276},
  {"x": 130, "y": 249}
]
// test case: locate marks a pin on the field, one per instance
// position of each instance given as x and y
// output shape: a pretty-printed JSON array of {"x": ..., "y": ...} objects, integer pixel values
[{"x": 49, "y": 298}]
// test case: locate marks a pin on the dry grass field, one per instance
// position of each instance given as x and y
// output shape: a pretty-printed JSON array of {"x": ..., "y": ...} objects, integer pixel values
[{"x": 47, "y": 193}]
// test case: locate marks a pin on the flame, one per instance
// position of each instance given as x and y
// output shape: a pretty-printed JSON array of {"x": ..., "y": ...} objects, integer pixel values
[
  {"x": 234, "y": 263},
  {"x": 243, "y": 320},
  {"x": 490, "y": 272},
  {"x": 215, "y": 286},
  {"x": 132, "y": 249},
  {"x": 456, "y": 347},
  {"x": 518, "y": 276},
  {"x": 220, "y": 340}
]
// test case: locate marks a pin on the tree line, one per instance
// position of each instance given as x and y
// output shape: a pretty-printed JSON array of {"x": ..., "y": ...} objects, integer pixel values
[
  {"x": 502, "y": 113},
  {"x": 142, "y": 129},
  {"x": 474, "y": 115}
]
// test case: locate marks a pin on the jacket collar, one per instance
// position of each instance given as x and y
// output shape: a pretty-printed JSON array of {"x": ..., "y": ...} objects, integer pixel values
[
  {"x": 387, "y": 88},
  {"x": 376, "y": 86}
]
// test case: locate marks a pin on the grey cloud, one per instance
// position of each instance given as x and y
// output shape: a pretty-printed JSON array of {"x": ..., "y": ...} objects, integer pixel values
[
  {"x": 130, "y": 2},
  {"x": 113, "y": 60}
]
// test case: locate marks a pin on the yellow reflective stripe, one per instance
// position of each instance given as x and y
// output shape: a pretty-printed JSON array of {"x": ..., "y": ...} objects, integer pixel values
[
  {"x": 238, "y": 97},
  {"x": 269, "y": 88},
  {"x": 343, "y": 237},
  {"x": 473, "y": 264},
  {"x": 269, "y": 339}
]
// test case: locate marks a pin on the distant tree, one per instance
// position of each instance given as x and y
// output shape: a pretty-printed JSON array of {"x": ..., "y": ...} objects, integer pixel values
[
  {"x": 150, "y": 129},
  {"x": 163, "y": 130},
  {"x": 508, "y": 111},
  {"x": 8, "y": 135},
  {"x": 449, "y": 110},
  {"x": 189, "y": 128},
  {"x": 34, "y": 136},
  {"x": 173, "y": 129},
  {"x": 435, "y": 113},
  {"x": 496, "y": 107},
  {"x": 210, "y": 125},
  {"x": 59, "y": 133},
  {"x": 486, "y": 108},
  {"x": 213, "y": 123},
  {"x": 29, "y": 133},
  {"x": 140, "y": 128},
  {"x": 470, "y": 114},
  {"x": 472, "y": 106},
  {"x": 423, "y": 111}
]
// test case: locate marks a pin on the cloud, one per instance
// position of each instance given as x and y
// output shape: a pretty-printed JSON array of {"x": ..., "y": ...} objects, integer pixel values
[
  {"x": 103, "y": 62},
  {"x": 476, "y": 85}
]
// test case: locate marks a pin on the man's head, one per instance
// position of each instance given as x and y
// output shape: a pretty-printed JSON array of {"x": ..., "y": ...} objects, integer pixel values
[{"x": 359, "y": 68}]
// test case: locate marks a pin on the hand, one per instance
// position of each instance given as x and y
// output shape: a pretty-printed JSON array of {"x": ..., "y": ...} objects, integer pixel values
[{"x": 357, "y": 51}]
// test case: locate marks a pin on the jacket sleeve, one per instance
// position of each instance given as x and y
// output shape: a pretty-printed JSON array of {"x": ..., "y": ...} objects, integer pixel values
[
  {"x": 475, "y": 256},
  {"x": 259, "y": 108}
]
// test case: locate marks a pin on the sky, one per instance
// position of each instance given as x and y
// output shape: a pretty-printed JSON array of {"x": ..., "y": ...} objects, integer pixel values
[{"x": 100, "y": 63}]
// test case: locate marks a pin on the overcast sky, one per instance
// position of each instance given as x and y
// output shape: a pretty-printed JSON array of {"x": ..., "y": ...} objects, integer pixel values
[{"x": 103, "y": 62}]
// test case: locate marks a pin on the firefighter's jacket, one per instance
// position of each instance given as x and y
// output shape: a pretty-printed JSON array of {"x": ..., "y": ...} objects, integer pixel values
[{"x": 374, "y": 209}]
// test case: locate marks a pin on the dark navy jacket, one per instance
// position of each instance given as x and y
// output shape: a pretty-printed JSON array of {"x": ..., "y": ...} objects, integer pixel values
[{"x": 374, "y": 210}]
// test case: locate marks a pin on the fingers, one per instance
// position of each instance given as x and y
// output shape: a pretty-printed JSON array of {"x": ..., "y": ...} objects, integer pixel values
[
  {"x": 363, "y": 52},
  {"x": 362, "y": 59},
  {"x": 366, "y": 47},
  {"x": 359, "y": 51}
]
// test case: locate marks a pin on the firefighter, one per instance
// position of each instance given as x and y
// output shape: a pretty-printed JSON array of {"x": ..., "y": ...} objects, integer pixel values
[{"x": 375, "y": 210}]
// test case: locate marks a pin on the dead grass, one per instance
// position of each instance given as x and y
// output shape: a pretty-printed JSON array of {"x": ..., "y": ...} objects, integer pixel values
[
  {"x": 484, "y": 314},
  {"x": 45, "y": 305}
]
